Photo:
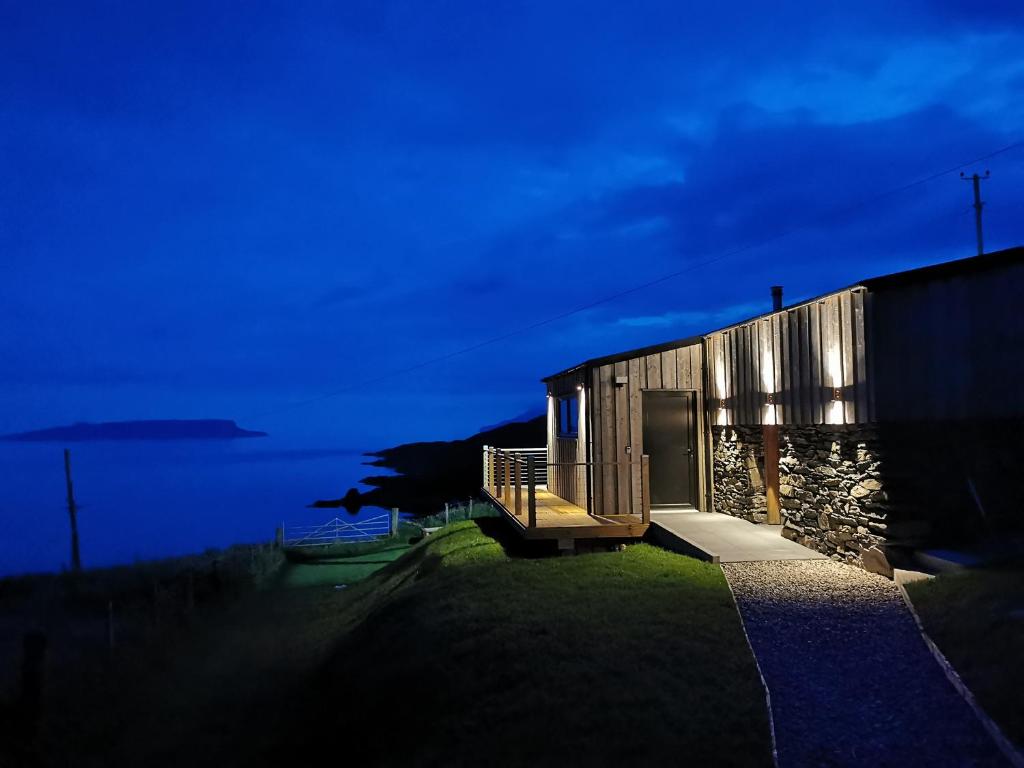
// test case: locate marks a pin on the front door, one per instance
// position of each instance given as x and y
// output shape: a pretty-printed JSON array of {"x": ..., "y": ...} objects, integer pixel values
[{"x": 670, "y": 426}]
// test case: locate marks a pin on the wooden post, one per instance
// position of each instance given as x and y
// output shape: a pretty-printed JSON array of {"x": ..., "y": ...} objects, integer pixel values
[
  {"x": 446, "y": 513},
  {"x": 487, "y": 474},
  {"x": 531, "y": 493},
  {"x": 645, "y": 488},
  {"x": 499, "y": 467},
  {"x": 518, "y": 490},
  {"x": 507, "y": 495},
  {"x": 394, "y": 521},
  {"x": 76, "y": 558},
  {"x": 771, "y": 473},
  {"x": 470, "y": 507}
]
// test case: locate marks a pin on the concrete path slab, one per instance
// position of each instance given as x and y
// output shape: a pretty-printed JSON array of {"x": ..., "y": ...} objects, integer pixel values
[{"x": 726, "y": 539}]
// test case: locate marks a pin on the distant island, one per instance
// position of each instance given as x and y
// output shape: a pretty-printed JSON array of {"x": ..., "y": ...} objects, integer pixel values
[
  {"x": 151, "y": 429},
  {"x": 430, "y": 474}
]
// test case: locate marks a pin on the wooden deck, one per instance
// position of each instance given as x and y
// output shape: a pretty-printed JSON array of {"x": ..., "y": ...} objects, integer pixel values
[{"x": 561, "y": 519}]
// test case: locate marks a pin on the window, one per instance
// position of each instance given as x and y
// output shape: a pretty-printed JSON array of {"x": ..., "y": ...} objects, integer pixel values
[{"x": 568, "y": 416}]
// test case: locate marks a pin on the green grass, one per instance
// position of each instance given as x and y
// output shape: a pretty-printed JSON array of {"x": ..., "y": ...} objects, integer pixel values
[
  {"x": 455, "y": 653},
  {"x": 346, "y": 570},
  {"x": 977, "y": 619},
  {"x": 633, "y": 656}
]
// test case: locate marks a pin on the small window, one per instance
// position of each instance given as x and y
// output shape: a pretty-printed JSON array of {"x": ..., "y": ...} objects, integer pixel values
[{"x": 568, "y": 416}]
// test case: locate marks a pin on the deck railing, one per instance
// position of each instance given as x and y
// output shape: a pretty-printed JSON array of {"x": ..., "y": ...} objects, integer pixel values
[
  {"x": 494, "y": 470},
  {"x": 509, "y": 472}
]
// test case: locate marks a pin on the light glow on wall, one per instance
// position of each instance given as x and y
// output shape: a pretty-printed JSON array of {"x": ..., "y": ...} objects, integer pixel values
[
  {"x": 771, "y": 415},
  {"x": 721, "y": 414},
  {"x": 834, "y": 411}
]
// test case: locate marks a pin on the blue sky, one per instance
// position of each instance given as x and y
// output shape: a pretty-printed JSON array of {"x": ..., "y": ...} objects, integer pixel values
[{"x": 225, "y": 209}]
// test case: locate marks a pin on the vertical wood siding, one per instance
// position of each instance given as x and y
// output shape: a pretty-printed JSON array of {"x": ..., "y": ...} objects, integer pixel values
[
  {"x": 617, "y": 422},
  {"x": 948, "y": 348},
  {"x": 784, "y": 368}
]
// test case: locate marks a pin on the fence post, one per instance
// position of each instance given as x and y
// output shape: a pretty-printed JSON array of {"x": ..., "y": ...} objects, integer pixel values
[
  {"x": 470, "y": 507},
  {"x": 531, "y": 493},
  {"x": 487, "y": 479},
  {"x": 516, "y": 477},
  {"x": 507, "y": 495},
  {"x": 446, "y": 513},
  {"x": 499, "y": 469},
  {"x": 394, "y": 521},
  {"x": 645, "y": 489}
]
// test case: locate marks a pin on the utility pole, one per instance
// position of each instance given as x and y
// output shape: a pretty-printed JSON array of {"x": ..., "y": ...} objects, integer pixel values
[
  {"x": 976, "y": 180},
  {"x": 76, "y": 558}
]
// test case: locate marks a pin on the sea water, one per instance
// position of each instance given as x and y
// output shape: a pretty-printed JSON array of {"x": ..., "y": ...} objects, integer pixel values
[{"x": 139, "y": 500}]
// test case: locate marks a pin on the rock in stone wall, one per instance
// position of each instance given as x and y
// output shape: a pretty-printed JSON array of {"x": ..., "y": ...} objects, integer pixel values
[{"x": 830, "y": 485}]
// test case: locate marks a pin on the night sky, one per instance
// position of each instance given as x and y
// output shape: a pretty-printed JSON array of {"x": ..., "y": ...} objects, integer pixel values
[{"x": 227, "y": 210}]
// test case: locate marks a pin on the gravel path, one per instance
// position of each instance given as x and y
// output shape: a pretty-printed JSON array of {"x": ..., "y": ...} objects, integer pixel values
[{"x": 851, "y": 681}]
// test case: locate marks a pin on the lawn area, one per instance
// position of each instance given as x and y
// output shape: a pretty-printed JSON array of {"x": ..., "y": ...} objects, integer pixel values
[
  {"x": 339, "y": 570},
  {"x": 620, "y": 657},
  {"x": 462, "y": 652},
  {"x": 976, "y": 618}
]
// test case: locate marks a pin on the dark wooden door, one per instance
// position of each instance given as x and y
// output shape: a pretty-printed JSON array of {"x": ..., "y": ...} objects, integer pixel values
[{"x": 670, "y": 427}]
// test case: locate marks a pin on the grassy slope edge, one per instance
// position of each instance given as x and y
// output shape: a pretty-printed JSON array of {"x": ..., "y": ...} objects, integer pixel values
[
  {"x": 635, "y": 656},
  {"x": 456, "y": 653}
]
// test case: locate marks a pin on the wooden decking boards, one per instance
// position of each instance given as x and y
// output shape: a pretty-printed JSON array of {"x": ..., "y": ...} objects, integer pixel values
[{"x": 561, "y": 519}]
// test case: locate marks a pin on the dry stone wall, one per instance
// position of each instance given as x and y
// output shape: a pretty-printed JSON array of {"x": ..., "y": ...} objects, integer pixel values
[{"x": 830, "y": 482}]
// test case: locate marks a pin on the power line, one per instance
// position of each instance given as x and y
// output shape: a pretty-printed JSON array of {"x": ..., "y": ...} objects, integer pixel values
[{"x": 842, "y": 211}]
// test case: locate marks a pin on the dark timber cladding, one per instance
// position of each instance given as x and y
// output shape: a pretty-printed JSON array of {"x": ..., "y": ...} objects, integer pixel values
[
  {"x": 803, "y": 365},
  {"x": 615, "y": 390},
  {"x": 952, "y": 339}
]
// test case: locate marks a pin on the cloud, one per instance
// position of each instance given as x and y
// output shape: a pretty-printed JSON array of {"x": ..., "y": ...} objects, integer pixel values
[
  {"x": 702, "y": 321},
  {"x": 319, "y": 194}
]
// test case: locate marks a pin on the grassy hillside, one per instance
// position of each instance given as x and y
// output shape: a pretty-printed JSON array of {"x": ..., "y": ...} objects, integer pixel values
[
  {"x": 633, "y": 656},
  {"x": 461, "y": 651}
]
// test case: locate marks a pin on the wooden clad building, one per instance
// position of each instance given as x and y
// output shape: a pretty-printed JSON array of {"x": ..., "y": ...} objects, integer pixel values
[{"x": 804, "y": 416}]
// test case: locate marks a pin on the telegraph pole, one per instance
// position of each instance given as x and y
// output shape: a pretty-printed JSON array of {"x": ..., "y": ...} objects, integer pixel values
[
  {"x": 976, "y": 180},
  {"x": 76, "y": 558}
]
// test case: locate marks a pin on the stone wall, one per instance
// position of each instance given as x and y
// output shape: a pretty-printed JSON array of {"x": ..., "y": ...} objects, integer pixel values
[{"x": 830, "y": 485}]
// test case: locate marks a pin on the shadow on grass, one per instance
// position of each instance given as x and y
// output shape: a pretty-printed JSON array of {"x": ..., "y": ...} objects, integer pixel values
[
  {"x": 512, "y": 542},
  {"x": 344, "y": 561}
]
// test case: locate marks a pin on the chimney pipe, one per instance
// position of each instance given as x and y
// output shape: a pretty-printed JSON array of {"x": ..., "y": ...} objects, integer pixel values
[{"x": 776, "y": 298}]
